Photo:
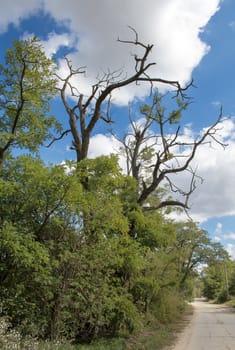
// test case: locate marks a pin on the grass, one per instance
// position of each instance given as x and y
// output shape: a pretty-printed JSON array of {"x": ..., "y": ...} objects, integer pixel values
[
  {"x": 231, "y": 302},
  {"x": 115, "y": 344},
  {"x": 156, "y": 336}
]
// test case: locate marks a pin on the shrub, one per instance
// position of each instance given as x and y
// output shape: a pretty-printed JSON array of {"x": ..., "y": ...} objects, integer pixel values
[{"x": 11, "y": 339}]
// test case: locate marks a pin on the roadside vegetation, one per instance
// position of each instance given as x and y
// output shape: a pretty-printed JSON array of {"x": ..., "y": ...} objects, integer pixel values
[
  {"x": 88, "y": 257},
  {"x": 153, "y": 336},
  {"x": 219, "y": 280}
]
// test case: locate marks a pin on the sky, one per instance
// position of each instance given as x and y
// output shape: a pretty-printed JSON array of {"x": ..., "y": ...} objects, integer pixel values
[{"x": 192, "y": 39}]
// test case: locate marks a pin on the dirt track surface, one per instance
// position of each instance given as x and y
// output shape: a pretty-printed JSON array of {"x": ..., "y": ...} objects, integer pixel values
[{"x": 212, "y": 328}]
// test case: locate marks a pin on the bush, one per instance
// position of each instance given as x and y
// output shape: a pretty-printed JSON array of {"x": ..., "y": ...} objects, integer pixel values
[
  {"x": 126, "y": 316},
  {"x": 11, "y": 339},
  {"x": 222, "y": 297},
  {"x": 168, "y": 306}
]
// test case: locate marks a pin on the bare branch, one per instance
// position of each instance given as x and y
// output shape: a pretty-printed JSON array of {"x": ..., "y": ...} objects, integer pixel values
[
  {"x": 164, "y": 164},
  {"x": 88, "y": 111},
  {"x": 164, "y": 204},
  {"x": 65, "y": 133}
]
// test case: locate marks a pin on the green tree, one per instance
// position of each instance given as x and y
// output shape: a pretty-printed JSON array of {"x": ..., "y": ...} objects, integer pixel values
[
  {"x": 55, "y": 233},
  {"x": 217, "y": 274},
  {"x": 83, "y": 251},
  {"x": 38, "y": 221},
  {"x": 231, "y": 281},
  {"x": 194, "y": 248},
  {"x": 213, "y": 280},
  {"x": 27, "y": 85},
  {"x": 25, "y": 279}
]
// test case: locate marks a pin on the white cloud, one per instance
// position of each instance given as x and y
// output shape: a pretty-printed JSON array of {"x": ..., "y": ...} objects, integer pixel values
[
  {"x": 230, "y": 236},
  {"x": 217, "y": 239},
  {"x": 231, "y": 250},
  {"x": 173, "y": 26},
  {"x": 102, "y": 145},
  {"x": 214, "y": 197},
  {"x": 14, "y": 11},
  {"x": 56, "y": 41},
  {"x": 218, "y": 229}
]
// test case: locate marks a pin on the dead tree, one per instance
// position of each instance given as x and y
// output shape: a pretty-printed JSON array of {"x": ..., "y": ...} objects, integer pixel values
[
  {"x": 86, "y": 111},
  {"x": 153, "y": 158}
]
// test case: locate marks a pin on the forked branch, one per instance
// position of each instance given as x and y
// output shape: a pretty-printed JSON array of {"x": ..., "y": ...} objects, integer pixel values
[{"x": 87, "y": 111}]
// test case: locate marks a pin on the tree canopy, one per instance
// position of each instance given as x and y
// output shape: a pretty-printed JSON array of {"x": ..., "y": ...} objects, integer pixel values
[
  {"x": 27, "y": 85},
  {"x": 85, "y": 250}
]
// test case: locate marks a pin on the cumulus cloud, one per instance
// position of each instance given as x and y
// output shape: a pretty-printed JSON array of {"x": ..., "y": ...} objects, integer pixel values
[
  {"x": 173, "y": 26},
  {"x": 214, "y": 198},
  {"x": 53, "y": 42},
  {"x": 56, "y": 41},
  {"x": 103, "y": 145},
  {"x": 12, "y": 12}
]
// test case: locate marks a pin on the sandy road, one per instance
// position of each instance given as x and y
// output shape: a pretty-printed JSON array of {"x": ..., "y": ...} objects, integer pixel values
[{"x": 211, "y": 328}]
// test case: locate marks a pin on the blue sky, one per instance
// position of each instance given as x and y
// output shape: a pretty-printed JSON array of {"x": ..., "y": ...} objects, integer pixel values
[{"x": 193, "y": 38}]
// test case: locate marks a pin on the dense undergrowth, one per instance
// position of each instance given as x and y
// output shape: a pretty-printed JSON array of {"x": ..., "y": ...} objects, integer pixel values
[{"x": 153, "y": 336}]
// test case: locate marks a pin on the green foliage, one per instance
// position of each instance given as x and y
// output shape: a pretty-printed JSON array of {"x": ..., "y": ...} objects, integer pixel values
[
  {"x": 194, "y": 247},
  {"x": 11, "y": 339},
  {"x": 151, "y": 230},
  {"x": 98, "y": 294},
  {"x": 232, "y": 278},
  {"x": 25, "y": 278},
  {"x": 27, "y": 85},
  {"x": 80, "y": 259},
  {"x": 56, "y": 232},
  {"x": 218, "y": 279},
  {"x": 158, "y": 111},
  {"x": 146, "y": 110},
  {"x": 104, "y": 185},
  {"x": 169, "y": 306},
  {"x": 212, "y": 282}
]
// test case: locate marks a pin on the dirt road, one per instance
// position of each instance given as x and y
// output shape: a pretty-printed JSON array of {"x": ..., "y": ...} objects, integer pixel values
[{"x": 211, "y": 328}]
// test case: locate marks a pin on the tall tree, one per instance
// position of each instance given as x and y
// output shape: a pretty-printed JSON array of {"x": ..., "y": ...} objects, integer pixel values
[
  {"x": 193, "y": 247},
  {"x": 217, "y": 273},
  {"x": 156, "y": 152},
  {"x": 27, "y": 85},
  {"x": 85, "y": 112}
]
